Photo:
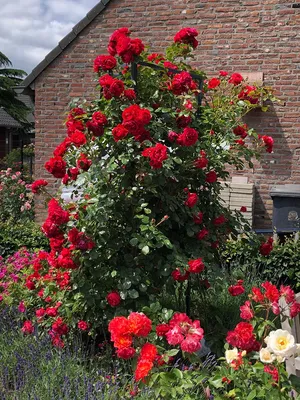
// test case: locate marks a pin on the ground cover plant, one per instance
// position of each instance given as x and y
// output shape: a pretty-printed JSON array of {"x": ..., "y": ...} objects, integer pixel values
[{"x": 147, "y": 158}]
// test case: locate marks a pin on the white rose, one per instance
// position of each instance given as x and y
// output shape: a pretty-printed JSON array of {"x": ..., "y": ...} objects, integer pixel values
[
  {"x": 266, "y": 356},
  {"x": 281, "y": 343},
  {"x": 231, "y": 355}
]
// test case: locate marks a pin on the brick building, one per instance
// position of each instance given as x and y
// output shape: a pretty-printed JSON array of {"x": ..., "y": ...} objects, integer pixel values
[{"x": 247, "y": 36}]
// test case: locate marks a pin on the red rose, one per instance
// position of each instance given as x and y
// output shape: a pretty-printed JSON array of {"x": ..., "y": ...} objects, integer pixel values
[
  {"x": 56, "y": 213},
  {"x": 213, "y": 83},
  {"x": 201, "y": 162},
  {"x": 191, "y": 200},
  {"x": 211, "y": 177},
  {"x": 106, "y": 63},
  {"x": 172, "y": 136},
  {"x": 202, "y": 234},
  {"x": 99, "y": 117},
  {"x": 271, "y": 292},
  {"x": 51, "y": 311},
  {"x": 126, "y": 353},
  {"x": 73, "y": 172},
  {"x": 27, "y": 328},
  {"x": 242, "y": 337},
  {"x": 243, "y": 209},
  {"x": 273, "y": 371},
  {"x": 119, "y": 132},
  {"x": 257, "y": 295},
  {"x": 83, "y": 162},
  {"x": 113, "y": 299},
  {"x": 59, "y": 327},
  {"x": 156, "y": 57},
  {"x": 78, "y": 138},
  {"x": 106, "y": 80},
  {"x": 223, "y": 73},
  {"x": 65, "y": 259},
  {"x": 83, "y": 326},
  {"x": 188, "y": 138},
  {"x": 236, "y": 79},
  {"x": 294, "y": 309},
  {"x": 142, "y": 369},
  {"x": 248, "y": 93},
  {"x": 162, "y": 329},
  {"x": 288, "y": 293},
  {"x": 236, "y": 290},
  {"x": 116, "y": 88},
  {"x": 183, "y": 121},
  {"x": 56, "y": 166},
  {"x": 241, "y": 131},
  {"x": 246, "y": 311},
  {"x": 114, "y": 39},
  {"x": 157, "y": 155},
  {"x": 187, "y": 36},
  {"x": 40, "y": 312},
  {"x": 182, "y": 83},
  {"x": 198, "y": 219},
  {"x": 130, "y": 94},
  {"x": 37, "y": 185},
  {"x": 137, "y": 46},
  {"x": 268, "y": 141},
  {"x": 266, "y": 248},
  {"x": 219, "y": 220},
  {"x": 50, "y": 229},
  {"x": 177, "y": 276},
  {"x": 196, "y": 266}
]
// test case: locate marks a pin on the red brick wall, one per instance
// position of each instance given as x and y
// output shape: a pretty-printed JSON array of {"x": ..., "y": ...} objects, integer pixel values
[{"x": 236, "y": 35}]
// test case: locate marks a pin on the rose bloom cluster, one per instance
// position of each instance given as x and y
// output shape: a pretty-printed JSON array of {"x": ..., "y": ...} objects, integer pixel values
[
  {"x": 56, "y": 267},
  {"x": 266, "y": 297},
  {"x": 182, "y": 331},
  {"x": 124, "y": 331},
  {"x": 195, "y": 267},
  {"x": 248, "y": 93}
]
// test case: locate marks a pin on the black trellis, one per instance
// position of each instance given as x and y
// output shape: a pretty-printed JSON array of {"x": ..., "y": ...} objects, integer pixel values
[{"x": 199, "y": 79}]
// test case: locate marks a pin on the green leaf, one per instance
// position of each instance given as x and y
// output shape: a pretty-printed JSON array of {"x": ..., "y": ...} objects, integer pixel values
[
  {"x": 251, "y": 395},
  {"x": 134, "y": 241},
  {"x": 295, "y": 381},
  {"x": 133, "y": 294},
  {"x": 145, "y": 250}
]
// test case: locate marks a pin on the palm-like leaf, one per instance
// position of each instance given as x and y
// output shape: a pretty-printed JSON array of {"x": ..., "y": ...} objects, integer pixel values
[{"x": 10, "y": 77}]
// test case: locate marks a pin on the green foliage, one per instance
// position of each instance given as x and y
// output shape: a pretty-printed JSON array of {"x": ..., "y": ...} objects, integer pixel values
[
  {"x": 242, "y": 257},
  {"x": 9, "y": 78},
  {"x": 13, "y": 159},
  {"x": 16, "y": 235},
  {"x": 16, "y": 200}
]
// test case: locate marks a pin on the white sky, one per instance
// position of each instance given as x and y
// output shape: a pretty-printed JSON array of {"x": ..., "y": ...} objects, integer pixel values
[{"x": 30, "y": 29}]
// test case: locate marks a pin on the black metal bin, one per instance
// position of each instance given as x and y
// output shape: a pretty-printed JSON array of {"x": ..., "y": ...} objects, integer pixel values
[{"x": 286, "y": 208}]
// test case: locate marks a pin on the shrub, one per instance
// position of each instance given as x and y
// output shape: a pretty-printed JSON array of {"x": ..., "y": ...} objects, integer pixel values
[
  {"x": 16, "y": 200},
  {"x": 242, "y": 257},
  {"x": 148, "y": 163},
  {"x": 13, "y": 236}
]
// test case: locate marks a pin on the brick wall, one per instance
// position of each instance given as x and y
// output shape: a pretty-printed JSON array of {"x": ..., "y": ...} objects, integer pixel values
[{"x": 245, "y": 35}]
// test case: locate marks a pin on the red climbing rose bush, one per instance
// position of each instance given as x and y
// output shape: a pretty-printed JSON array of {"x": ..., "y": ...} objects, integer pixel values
[{"x": 146, "y": 160}]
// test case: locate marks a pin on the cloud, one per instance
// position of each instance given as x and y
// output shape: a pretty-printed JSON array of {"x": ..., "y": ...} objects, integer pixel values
[{"x": 30, "y": 29}]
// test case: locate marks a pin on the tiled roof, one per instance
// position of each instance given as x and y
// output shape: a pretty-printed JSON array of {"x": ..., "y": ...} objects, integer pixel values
[
  {"x": 91, "y": 15},
  {"x": 8, "y": 121}
]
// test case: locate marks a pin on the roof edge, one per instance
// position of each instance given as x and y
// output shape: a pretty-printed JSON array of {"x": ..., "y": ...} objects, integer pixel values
[{"x": 69, "y": 38}]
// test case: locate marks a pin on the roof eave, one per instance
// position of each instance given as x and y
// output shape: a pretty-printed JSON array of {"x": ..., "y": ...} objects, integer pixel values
[{"x": 69, "y": 38}]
